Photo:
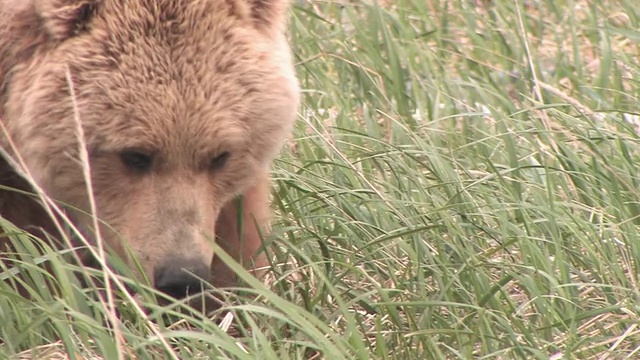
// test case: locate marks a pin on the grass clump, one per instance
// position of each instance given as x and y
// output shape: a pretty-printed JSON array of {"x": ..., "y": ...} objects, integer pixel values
[{"x": 462, "y": 183}]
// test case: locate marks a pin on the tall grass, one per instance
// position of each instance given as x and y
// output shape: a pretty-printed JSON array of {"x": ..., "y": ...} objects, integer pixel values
[{"x": 462, "y": 183}]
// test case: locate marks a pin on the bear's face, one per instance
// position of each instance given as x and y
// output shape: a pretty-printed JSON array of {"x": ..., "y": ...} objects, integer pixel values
[{"x": 182, "y": 104}]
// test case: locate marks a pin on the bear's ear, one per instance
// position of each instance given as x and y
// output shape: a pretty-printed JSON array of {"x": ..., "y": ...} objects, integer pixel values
[
  {"x": 269, "y": 14},
  {"x": 65, "y": 18}
]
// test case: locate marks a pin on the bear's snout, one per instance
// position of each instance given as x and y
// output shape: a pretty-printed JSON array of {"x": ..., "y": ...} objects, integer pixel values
[{"x": 180, "y": 278}]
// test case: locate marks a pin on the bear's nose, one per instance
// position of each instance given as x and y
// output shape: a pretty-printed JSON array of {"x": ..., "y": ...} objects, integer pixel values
[{"x": 180, "y": 278}]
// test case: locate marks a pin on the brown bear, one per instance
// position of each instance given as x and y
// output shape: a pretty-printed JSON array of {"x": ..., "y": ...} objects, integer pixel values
[{"x": 183, "y": 105}]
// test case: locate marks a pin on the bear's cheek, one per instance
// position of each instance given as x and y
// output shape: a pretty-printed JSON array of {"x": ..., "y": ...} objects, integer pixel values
[
  {"x": 37, "y": 110},
  {"x": 272, "y": 121}
]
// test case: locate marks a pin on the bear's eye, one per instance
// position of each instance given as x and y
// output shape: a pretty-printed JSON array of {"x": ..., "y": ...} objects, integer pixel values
[
  {"x": 219, "y": 161},
  {"x": 82, "y": 17},
  {"x": 136, "y": 160}
]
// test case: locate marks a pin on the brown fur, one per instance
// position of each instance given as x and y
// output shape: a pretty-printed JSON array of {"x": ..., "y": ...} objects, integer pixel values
[{"x": 182, "y": 80}]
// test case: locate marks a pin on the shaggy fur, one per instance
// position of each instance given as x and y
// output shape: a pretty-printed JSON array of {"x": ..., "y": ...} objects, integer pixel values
[{"x": 179, "y": 81}]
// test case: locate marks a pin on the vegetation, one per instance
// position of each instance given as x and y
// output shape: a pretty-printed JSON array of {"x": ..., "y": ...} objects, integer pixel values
[{"x": 463, "y": 183}]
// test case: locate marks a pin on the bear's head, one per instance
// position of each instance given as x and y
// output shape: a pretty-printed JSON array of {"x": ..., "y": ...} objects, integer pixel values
[{"x": 182, "y": 104}]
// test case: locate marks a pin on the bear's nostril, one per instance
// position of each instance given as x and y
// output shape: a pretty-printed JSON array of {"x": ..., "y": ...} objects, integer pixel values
[{"x": 180, "y": 279}]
